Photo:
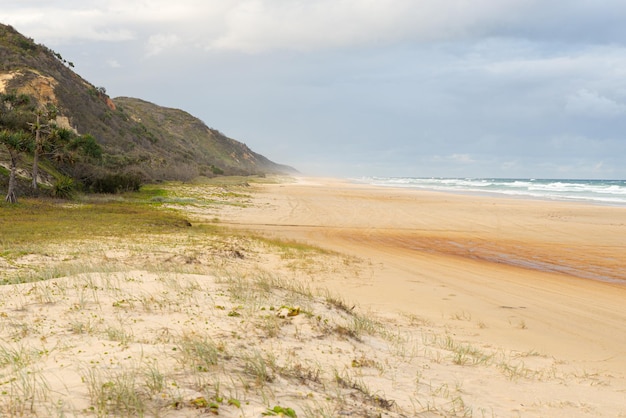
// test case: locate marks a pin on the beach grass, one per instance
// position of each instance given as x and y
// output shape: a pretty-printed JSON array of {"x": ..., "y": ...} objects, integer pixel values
[{"x": 139, "y": 305}]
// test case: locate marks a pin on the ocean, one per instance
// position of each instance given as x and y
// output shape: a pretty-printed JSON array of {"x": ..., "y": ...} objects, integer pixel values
[{"x": 605, "y": 192}]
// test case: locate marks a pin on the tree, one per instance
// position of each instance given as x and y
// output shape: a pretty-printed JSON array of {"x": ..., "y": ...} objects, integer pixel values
[
  {"x": 16, "y": 143},
  {"x": 28, "y": 128},
  {"x": 15, "y": 117},
  {"x": 13, "y": 135},
  {"x": 41, "y": 135},
  {"x": 67, "y": 147},
  {"x": 16, "y": 112},
  {"x": 87, "y": 145}
]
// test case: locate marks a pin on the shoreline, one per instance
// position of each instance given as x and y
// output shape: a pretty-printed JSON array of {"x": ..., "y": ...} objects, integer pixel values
[
  {"x": 435, "y": 245},
  {"x": 613, "y": 275},
  {"x": 497, "y": 194}
]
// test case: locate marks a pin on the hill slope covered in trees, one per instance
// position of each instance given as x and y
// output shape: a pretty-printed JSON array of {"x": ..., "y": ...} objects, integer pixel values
[{"x": 136, "y": 138}]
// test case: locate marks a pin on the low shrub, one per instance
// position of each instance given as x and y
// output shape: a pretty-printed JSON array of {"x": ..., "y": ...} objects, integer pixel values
[
  {"x": 64, "y": 188},
  {"x": 116, "y": 183}
]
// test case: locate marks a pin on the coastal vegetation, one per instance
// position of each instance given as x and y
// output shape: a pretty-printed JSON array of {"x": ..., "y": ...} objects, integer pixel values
[
  {"x": 27, "y": 128},
  {"x": 90, "y": 142}
]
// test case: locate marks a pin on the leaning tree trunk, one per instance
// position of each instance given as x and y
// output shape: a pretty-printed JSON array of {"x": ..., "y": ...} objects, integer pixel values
[
  {"x": 35, "y": 168},
  {"x": 36, "y": 154},
  {"x": 11, "y": 197}
]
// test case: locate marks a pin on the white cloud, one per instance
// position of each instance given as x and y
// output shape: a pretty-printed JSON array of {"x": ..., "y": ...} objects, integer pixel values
[
  {"x": 587, "y": 103},
  {"x": 160, "y": 42},
  {"x": 455, "y": 158},
  {"x": 57, "y": 24},
  {"x": 260, "y": 25},
  {"x": 530, "y": 62},
  {"x": 579, "y": 168},
  {"x": 256, "y": 25}
]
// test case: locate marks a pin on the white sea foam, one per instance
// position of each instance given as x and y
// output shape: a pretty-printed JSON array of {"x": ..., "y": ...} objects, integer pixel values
[{"x": 611, "y": 192}]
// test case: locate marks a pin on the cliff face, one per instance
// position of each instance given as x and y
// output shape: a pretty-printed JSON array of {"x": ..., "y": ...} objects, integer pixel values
[{"x": 156, "y": 142}]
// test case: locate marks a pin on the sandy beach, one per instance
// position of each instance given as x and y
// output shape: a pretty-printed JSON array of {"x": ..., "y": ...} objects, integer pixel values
[
  {"x": 513, "y": 273},
  {"x": 557, "y": 267},
  {"x": 329, "y": 298}
]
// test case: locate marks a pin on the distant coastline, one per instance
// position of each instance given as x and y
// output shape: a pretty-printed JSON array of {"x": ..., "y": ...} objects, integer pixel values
[{"x": 602, "y": 192}]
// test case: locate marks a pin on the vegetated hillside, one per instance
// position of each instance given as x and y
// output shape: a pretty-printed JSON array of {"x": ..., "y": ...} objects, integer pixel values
[
  {"x": 182, "y": 137},
  {"x": 153, "y": 142}
]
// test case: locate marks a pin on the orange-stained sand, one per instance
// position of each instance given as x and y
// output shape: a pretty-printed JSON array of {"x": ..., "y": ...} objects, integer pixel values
[{"x": 537, "y": 275}]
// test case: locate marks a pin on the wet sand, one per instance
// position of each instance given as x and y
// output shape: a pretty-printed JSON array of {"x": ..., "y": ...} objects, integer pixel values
[{"x": 535, "y": 275}]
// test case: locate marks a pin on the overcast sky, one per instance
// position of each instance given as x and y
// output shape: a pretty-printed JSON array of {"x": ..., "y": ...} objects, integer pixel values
[{"x": 469, "y": 88}]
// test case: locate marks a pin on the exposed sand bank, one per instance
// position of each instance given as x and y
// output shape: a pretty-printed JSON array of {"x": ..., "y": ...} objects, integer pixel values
[{"x": 520, "y": 268}]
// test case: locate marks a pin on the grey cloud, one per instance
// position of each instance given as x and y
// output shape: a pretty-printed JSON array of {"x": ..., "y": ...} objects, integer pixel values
[{"x": 587, "y": 103}]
